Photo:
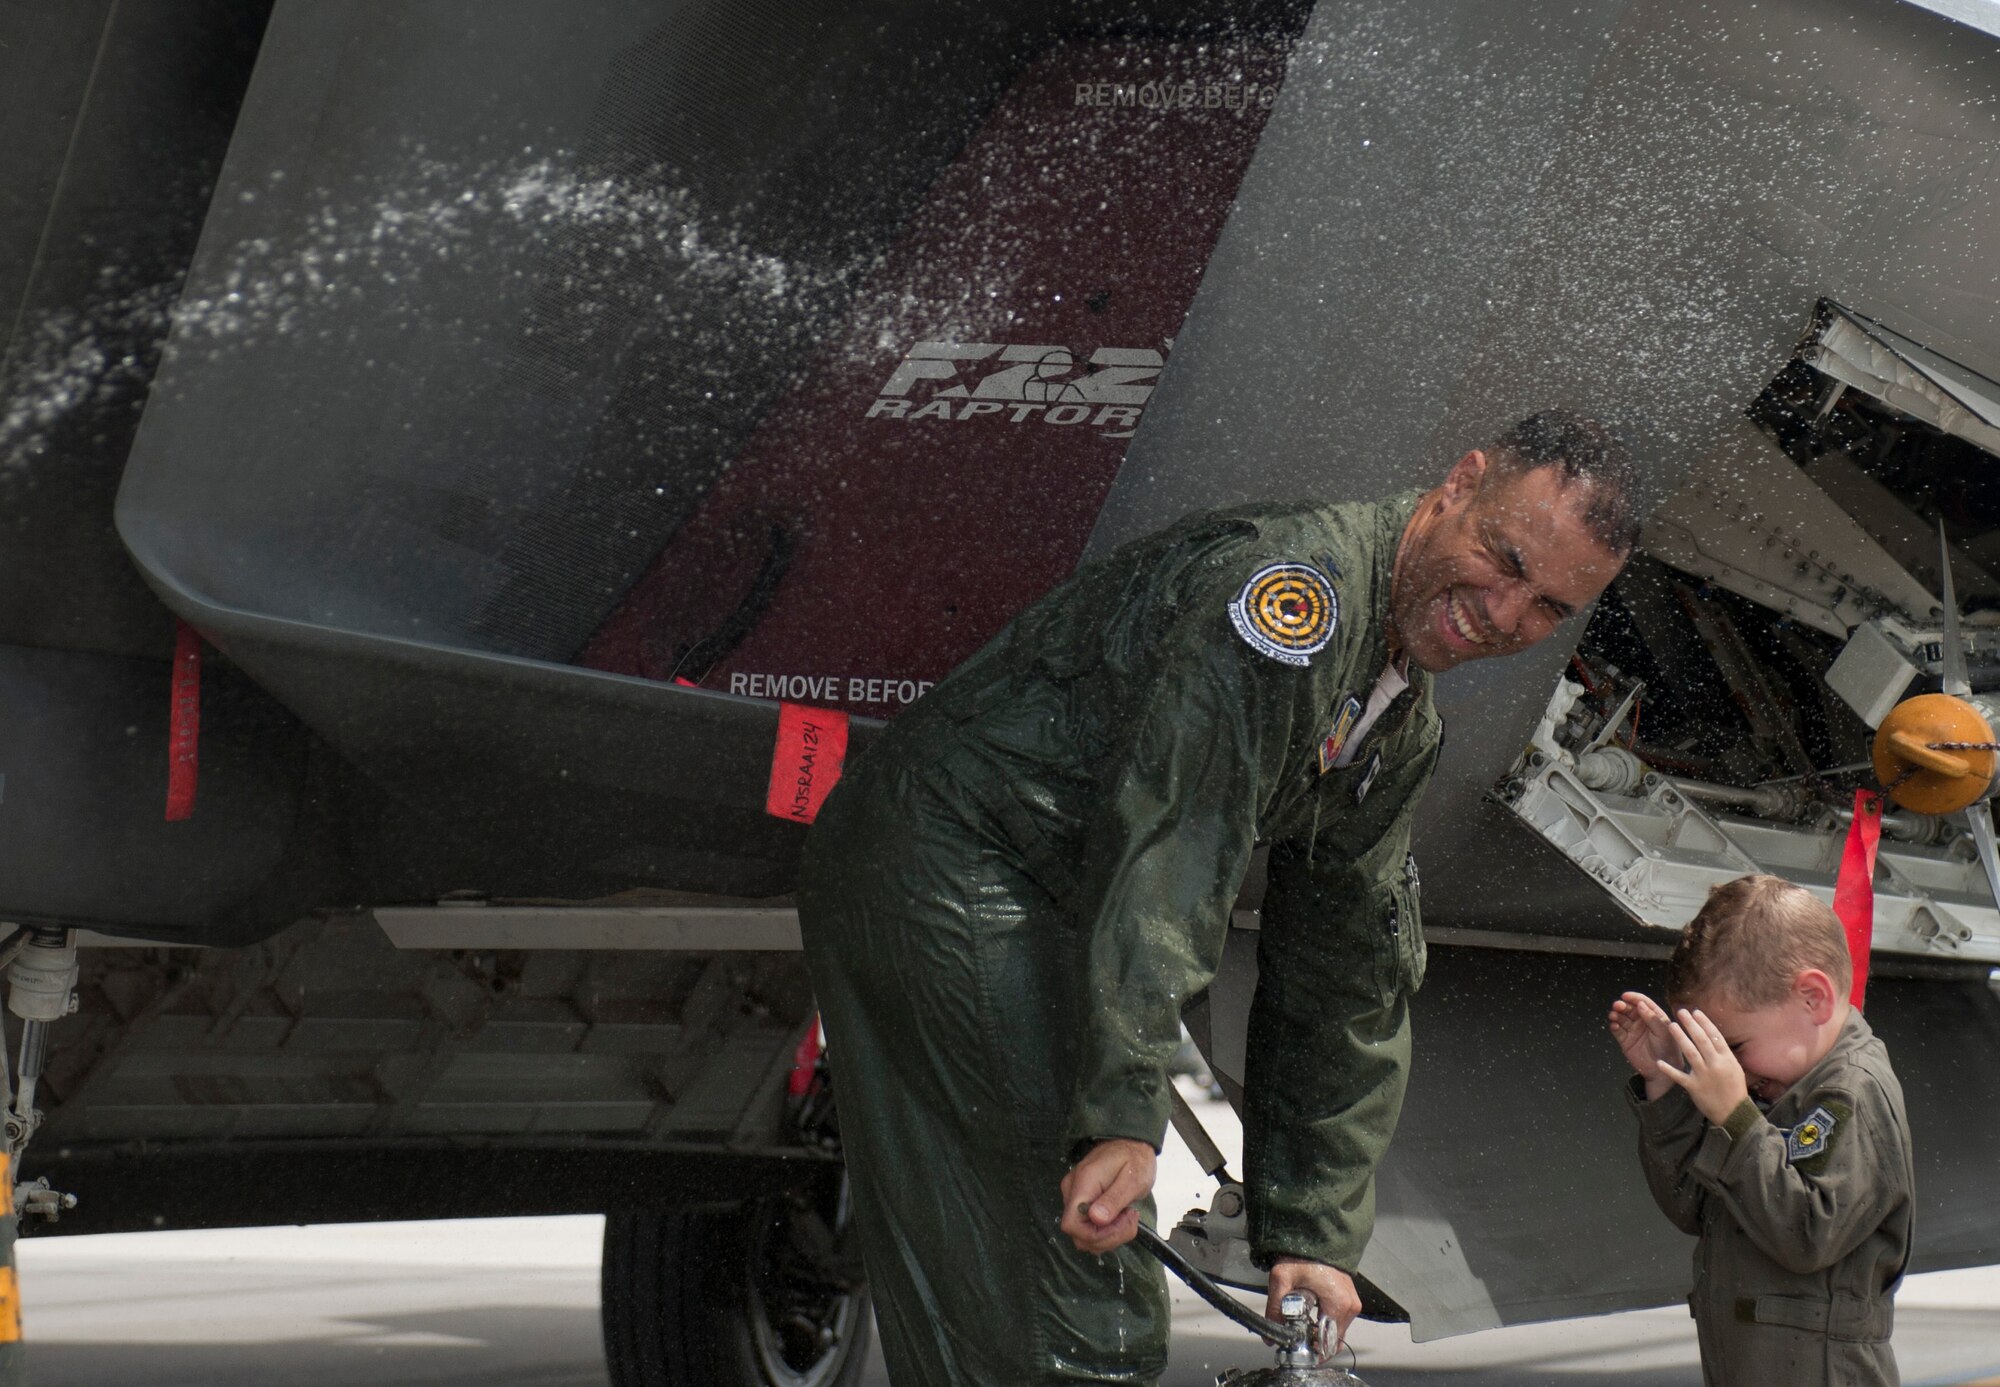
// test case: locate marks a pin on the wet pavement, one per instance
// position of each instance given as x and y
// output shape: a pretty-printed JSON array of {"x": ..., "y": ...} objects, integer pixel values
[{"x": 513, "y": 1303}]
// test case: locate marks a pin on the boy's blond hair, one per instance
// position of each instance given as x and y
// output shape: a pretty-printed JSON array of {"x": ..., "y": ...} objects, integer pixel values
[{"x": 1751, "y": 940}]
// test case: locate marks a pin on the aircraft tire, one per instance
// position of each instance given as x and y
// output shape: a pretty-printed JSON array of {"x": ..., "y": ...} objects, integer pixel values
[{"x": 727, "y": 1298}]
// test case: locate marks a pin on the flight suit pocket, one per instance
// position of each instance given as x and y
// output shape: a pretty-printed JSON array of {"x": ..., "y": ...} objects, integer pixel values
[
  {"x": 1399, "y": 942},
  {"x": 1414, "y": 957},
  {"x": 1851, "y": 1318},
  {"x": 1862, "y": 1319}
]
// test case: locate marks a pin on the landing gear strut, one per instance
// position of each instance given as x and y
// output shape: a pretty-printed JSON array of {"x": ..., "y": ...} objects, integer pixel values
[{"x": 41, "y": 990}]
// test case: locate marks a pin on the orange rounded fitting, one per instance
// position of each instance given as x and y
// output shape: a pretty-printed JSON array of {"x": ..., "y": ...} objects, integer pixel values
[{"x": 1918, "y": 774}]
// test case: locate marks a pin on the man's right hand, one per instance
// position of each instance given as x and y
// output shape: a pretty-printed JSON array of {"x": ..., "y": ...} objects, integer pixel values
[
  {"x": 1100, "y": 1190},
  {"x": 1339, "y": 1301},
  {"x": 1646, "y": 1037}
]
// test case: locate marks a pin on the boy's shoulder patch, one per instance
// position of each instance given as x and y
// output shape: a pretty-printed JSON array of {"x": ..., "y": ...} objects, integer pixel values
[{"x": 1812, "y": 1136}]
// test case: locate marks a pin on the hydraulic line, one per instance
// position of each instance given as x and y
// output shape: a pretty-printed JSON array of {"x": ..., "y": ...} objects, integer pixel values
[{"x": 1270, "y": 1331}]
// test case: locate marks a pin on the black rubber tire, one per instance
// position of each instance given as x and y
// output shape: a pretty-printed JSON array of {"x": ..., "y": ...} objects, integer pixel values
[{"x": 687, "y": 1303}]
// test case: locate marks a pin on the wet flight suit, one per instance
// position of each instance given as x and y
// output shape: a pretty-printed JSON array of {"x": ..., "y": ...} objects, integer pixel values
[
  {"x": 1010, "y": 897},
  {"x": 1803, "y": 1215}
]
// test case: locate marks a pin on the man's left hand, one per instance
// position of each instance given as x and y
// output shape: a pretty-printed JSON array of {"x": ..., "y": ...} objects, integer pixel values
[
  {"x": 1100, "y": 1190},
  {"x": 1332, "y": 1287}
]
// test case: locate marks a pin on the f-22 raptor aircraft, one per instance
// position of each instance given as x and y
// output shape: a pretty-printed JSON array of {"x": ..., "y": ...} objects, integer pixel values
[{"x": 439, "y": 443}]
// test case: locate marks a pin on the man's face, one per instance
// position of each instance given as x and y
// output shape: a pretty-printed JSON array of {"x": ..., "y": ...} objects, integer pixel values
[
  {"x": 1493, "y": 562},
  {"x": 1775, "y": 1044}
]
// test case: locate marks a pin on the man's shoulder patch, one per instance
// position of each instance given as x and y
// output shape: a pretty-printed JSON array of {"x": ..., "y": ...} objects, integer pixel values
[
  {"x": 1812, "y": 1135},
  {"x": 1287, "y": 611}
]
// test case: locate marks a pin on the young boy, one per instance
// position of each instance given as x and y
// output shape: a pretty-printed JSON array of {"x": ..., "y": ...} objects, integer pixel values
[{"x": 1803, "y": 1208}]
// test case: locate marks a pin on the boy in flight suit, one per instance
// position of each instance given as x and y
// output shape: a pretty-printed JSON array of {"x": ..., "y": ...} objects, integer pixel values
[
  {"x": 1772, "y": 1127},
  {"x": 1006, "y": 903}
]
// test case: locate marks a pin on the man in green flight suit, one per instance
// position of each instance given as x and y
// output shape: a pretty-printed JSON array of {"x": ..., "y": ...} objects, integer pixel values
[{"x": 1008, "y": 900}]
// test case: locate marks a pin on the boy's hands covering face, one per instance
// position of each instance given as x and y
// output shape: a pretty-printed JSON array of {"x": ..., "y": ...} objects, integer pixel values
[
  {"x": 1714, "y": 1080},
  {"x": 1641, "y": 1030}
]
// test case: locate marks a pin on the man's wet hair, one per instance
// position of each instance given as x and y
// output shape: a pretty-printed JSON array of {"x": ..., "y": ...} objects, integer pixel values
[
  {"x": 1751, "y": 940},
  {"x": 1588, "y": 454}
]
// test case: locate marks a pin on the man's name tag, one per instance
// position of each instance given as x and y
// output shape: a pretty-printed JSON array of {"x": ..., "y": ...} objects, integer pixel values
[{"x": 1373, "y": 769}]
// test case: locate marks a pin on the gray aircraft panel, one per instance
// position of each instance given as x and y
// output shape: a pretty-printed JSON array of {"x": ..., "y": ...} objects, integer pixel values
[
  {"x": 1334, "y": 321},
  {"x": 117, "y": 118}
]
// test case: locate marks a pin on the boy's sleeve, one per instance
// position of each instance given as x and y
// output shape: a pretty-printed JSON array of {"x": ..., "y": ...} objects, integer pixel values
[
  {"x": 1671, "y": 1130},
  {"x": 1809, "y": 1194}
]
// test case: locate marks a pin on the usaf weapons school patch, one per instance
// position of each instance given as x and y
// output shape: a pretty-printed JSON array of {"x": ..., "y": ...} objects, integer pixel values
[
  {"x": 1811, "y": 1136},
  {"x": 1287, "y": 611}
]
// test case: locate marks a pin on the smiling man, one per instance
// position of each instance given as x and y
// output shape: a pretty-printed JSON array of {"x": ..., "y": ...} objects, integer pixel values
[{"x": 1007, "y": 902}]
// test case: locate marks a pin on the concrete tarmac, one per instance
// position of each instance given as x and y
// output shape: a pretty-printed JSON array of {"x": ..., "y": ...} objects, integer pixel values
[{"x": 513, "y": 1303}]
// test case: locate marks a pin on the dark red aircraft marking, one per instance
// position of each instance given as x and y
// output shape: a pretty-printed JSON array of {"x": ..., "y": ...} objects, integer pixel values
[{"x": 897, "y": 509}]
